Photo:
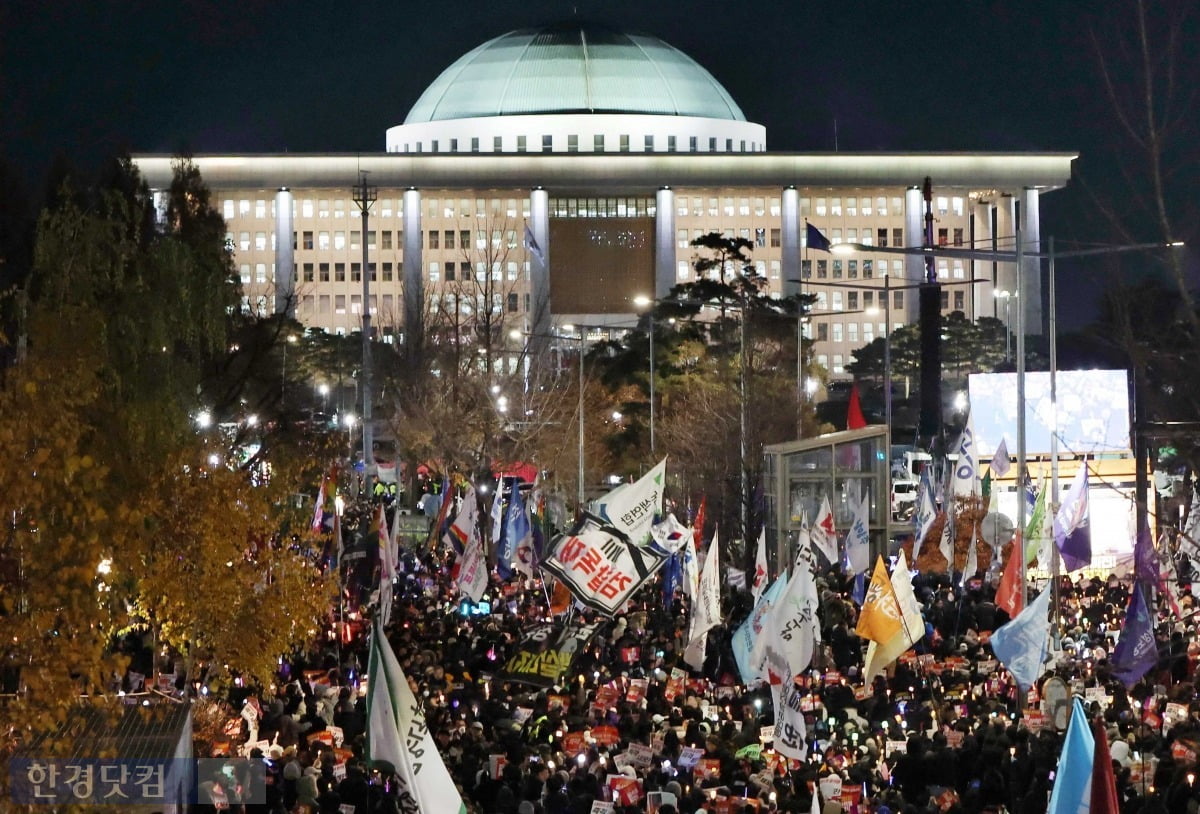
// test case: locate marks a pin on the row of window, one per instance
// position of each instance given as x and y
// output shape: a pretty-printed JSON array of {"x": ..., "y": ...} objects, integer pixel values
[
  {"x": 624, "y": 144},
  {"x": 510, "y": 207},
  {"x": 326, "y": 304}
]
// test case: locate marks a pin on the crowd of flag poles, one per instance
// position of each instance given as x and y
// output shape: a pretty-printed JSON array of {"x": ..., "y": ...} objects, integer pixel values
[{"x": 623, "y": 540}]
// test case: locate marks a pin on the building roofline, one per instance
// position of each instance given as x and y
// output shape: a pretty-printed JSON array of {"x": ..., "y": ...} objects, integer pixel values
[{"x": 620, "y": 172}]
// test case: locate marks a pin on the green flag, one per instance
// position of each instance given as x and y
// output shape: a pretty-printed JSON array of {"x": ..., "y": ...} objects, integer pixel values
[{"x": 1035, "y": 531}]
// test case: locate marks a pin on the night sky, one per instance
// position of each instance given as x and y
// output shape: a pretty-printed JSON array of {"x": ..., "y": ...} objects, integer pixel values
[{"x": 87, "y": 80}]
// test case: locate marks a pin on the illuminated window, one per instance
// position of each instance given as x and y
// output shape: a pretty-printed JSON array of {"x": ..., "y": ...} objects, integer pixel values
[
  {"x": 339, "y": 240},
  {"x": 227, "y": 209}
]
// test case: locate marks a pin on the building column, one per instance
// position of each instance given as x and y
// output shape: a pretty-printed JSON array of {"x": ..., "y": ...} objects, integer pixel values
[
  {"x": 983, "y": 238},
  {"x": 414, "y": 276},
  {"x": 539, "y": 261},
  {"x": 789, "y": 232},
  {"x": 285, "y": 255},
  {"x": 914, "y": 237},
  {"x": 1031, "y": 243},
  {"x": 664, "y": 242}
]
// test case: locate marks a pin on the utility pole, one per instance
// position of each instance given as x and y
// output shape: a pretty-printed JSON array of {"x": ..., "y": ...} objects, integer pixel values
[{"x": 364, "y": 196}]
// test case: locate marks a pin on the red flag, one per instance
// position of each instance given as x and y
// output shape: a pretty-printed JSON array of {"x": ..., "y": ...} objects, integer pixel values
[
  {"x": 854, "y": 413},
  {"x": 698, "y": 526},
  {"x": 1104, "y": 783},
  {"x": 1010, "y": 593}
]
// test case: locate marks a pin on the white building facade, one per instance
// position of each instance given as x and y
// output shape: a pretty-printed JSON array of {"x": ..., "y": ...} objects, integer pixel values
[{"x": 612, "y": 151}]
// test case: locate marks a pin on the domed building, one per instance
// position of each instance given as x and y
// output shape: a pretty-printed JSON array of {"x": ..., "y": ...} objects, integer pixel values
[
  {"x": 575, "y": 88},
  {"x": 556, "y": 176}
]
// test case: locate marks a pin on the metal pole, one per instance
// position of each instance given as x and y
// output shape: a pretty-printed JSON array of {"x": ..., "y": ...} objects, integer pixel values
[
  {"x": 800, "y": 374},
  {"x": 742, "y": 426},
  {"x": 365, "y": 196},
  {"x": 1054, "y": 566},
  {"x": 581, "y": 496},
  {"x": 1020, "y": 412},
  {"x": 652, "y": 373},
  {"x": 887, "y": 357}
]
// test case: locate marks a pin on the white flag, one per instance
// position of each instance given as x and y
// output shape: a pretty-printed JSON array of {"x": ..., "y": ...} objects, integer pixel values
[
  {"x": 706, "y": 608},
  {"x": 790, "y": 731},
  {"x": 1000, "y": 461},
  {"x": 691, "y": 570},
  {"x": 824, "y": 532},
  {"x": 397, "y": 733},
  {"x": 858, "y": 539},
  {"x": 466, "y": 522},
  {"x": 760, "y": 567},
  {"x": 791, "y": 629},
  {"x": 631, "y": 508},
  {"x": 387, "y": 566},
  {"x": 966, "y": 467},
  {"x": 946, "y": 544},
  {"x": 472, "y": 569}
]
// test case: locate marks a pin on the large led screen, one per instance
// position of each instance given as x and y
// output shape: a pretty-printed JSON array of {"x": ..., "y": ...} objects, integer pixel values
[
  {"x": 1093, "y": 412},
  {"x": 599, "y": 265}
]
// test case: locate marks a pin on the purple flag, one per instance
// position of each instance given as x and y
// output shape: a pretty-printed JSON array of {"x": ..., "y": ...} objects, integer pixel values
[
  {"x": 1136, "y": 652},
  {"x": 1072, "y": 526},
  {"x": 1145, "y": 559}
]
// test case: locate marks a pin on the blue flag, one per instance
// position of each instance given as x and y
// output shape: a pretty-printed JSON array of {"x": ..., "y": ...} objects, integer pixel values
[
  {"x": 1073, "y": 776},
  {"x": 1072, "y": 524},
  {"x": 744, "y": 637},
  {"x": 816, "y": 240},
  {"x": 1021, "y": 644},
  {"x": 1137, "y": 651},
  {"x": 1147, "y": 568},
  {"x": 859, "y": 592},
  {"x": 672, "y": 578},
  {"x": 516, "y": 534}
]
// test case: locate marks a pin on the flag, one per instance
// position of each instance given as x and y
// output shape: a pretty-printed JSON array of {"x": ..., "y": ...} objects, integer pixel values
[
  {"x": 698, "y": 525},
  {"x": 880, "y": 617},
  {"x": 1010, "y": 593},
  {"x": 631, "y": 508},
  {"x": 435, "y": 530},
  {"x": 1104, "y": 782},
  {"x": 518, "y": 533},
  {"x": 824, "y": 532},
  {"x": 790, "y": 729},
  {"x": 691, "y": 570},
  {"x": 965, "y": 480},
  {"x": 497, "y": 513},
  {"x": 858, "y": 539},
  {"x": 1074, "y": 771},
  {"x": 1168, "y": 580},
  {"x": 1000, "y": 461},
  {"x": 912, "y": 624},
  {"x": 472, "y": 571},
  {"x": 858, "y": 591},
  {"x": 760, "y": 566},
  {"x": 815, "y": 239},
  {"x": 971, "y": 566},
  {"x": 466, "y": 522},
  {"x": 792, "y": 630},
  {"x": 1136, "y": 652},
  {"x": 532, "y": 246},
  {"x": 747, "y": 633},
  {"x": 1072, "y": 528},
  {"x": 985, "y": 489},
  {"x": 1035, "y": 529},
  {"x": 387, "y": 565},
  {"x": 854, "y": 413},
  {"x": 706, "y": 609},
  {"x": 1020, "y": 644},
  {"x": 397, "y": 734},
  {"x": 946, "y": 544},
  {"x": 926, "y": 513},
  {"x": 1145, "y": 559},
  {"x": 319, "y": 510}
]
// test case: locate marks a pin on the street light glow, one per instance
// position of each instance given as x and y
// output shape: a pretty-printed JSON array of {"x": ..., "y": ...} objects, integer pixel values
[
  {"x": 204, "y": 419},
  {"x": 641, "y": 300}
]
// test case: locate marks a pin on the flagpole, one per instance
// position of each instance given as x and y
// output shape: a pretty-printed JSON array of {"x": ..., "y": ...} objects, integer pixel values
[
  {"x": 1054, "y": 565},
  {"x": 1021, "y": 462}
]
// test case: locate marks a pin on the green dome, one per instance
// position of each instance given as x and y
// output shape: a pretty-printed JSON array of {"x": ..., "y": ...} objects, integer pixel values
[{"x": 573, "y": 68}]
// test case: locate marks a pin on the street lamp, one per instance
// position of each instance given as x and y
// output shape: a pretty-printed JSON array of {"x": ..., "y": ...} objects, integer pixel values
[{"x": 642, "y": 301}]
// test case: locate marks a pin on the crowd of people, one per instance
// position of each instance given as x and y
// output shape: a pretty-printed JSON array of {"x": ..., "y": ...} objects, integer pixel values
[{"x": 945, "y": 730}]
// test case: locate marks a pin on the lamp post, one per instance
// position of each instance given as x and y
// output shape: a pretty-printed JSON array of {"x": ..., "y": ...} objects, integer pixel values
[
  {"x": 364, "y": 196},
  {"x": 642, "y": 301}
]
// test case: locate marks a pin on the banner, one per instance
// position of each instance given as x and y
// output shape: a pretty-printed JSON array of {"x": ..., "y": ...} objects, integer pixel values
[
  {"x": 472, "y": 577},
  {"x": 546, "y": 652},
  {"x": 790, "y": 731},
  {"x": 600, "y": 566}
]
